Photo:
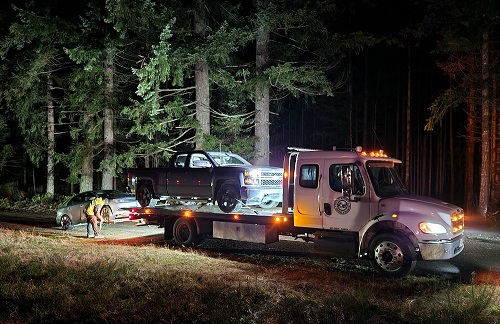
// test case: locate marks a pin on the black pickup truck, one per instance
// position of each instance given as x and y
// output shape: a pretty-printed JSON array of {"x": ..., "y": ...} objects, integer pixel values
[{"x": 208, "y": 176}]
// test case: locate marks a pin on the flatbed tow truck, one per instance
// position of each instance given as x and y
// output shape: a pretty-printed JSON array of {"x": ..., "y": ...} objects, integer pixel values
[{"x": 350, "y": 203}]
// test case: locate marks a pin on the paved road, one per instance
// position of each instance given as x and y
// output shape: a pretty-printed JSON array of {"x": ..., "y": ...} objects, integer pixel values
[{"x": 479, "y": 262}]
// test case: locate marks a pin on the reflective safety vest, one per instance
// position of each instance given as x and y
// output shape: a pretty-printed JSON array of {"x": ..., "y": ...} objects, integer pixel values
[{"x": 94, "y": 206}]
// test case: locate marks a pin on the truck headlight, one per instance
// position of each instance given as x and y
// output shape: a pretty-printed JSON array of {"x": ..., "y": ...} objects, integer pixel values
[
  {"x": 431, "y": 228},
  {"x": 252, "y": 177}
]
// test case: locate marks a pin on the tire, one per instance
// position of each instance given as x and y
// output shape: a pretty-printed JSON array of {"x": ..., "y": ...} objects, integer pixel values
[
  {"x": 392, "y": 256},
  {"x": 66, "y": 223},
  {"x": 184, "y": 232},
  {"x": 228, "y": 198},
  {"x": 144, "y": 195},
  {"x": 106, "y": 213},
  {"x": 268, "y": 203}
]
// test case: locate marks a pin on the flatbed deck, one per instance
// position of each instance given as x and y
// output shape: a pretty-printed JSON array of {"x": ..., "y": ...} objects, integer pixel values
[{"x": 207, "y": 211}]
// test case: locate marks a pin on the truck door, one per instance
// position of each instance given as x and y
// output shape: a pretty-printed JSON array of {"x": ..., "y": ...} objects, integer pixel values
[
  {"x": 338, "y": 211},
  {"x": 191, "y": 177},
  {"x": 307, "y": 180}
]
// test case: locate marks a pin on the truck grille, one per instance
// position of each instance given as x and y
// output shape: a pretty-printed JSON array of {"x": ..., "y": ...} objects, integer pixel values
[{"x": 271, "y": 179}]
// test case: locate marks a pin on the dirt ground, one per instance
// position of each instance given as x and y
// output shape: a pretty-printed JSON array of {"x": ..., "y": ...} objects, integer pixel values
[
  {"x": 127, "y": 232},
  {"x": 479, "y": 256}
]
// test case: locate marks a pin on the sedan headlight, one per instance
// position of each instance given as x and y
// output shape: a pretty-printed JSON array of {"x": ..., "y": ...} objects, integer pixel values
[{"x": 432, "y": 228}]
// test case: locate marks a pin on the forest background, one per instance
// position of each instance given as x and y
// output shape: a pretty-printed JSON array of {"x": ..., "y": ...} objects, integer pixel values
[{"x": 94, "y": 87}]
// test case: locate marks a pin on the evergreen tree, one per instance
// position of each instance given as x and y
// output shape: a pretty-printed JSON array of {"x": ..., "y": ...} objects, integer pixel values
[{"x": 33, "y": 55}]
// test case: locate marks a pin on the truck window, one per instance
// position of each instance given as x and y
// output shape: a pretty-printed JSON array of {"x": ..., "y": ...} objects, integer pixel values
[
  {"x": 180, "y": 161},
  {"x": 335, "y": 181},
  {"x": 385, "y": 179},
  {"x": 199, "y": 161},
  {"x": 309, "y": 176}
]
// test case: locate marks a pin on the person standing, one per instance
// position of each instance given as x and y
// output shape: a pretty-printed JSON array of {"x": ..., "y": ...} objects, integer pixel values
[{"x": 93, "y": 213}]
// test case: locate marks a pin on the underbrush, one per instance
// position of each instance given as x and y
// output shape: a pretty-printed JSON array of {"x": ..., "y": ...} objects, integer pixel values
[
  {"x": 13, "y": 199},
  {"x": 67, "y": 279}
]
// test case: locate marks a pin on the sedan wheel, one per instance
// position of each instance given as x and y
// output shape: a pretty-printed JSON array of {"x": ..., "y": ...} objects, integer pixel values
[{"x": 66, "y": 222}]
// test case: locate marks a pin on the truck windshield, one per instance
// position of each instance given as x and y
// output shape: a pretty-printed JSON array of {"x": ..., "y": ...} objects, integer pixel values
[
  {"x": 385, "y": 179},
  {"x": 223, "y": 158}
]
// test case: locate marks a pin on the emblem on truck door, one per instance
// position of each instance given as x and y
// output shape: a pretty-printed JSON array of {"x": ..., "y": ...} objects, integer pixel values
[{"x": 342, "y": 205}]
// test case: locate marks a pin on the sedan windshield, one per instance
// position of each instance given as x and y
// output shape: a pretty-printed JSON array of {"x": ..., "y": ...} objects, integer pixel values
[{"x": 385, "y": 179}]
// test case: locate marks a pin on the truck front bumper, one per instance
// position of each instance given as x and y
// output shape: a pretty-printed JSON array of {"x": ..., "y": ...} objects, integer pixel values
[
  {"x": 441, "y": 249},
  {"x": 254, "y": 196}
]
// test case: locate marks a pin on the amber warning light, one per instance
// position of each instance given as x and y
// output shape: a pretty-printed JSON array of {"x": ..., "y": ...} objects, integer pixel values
[
  {"x": 280, "y": 219},
  {"x": 379, "y": 153}
]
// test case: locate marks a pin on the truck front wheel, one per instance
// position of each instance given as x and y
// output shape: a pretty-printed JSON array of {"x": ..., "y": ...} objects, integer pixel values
[
  {"x": 392, "y": 256},
  {"x": 184, "y": 232},
  {"x": 228, "y": 198},
  {"x": 144, "y": 195}
]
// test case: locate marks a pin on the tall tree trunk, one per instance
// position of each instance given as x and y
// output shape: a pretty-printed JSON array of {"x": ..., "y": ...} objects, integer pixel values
[
  {"x": 262, "y": 89},
  {"x": 408, "y": 128},
  {"x": 108, "y": 168},
  {"x": 365, "y": 103},
  {"x": 495, "y": 156},
  {"x": 452, "y": 161},
  {"x": 87, "y": 177},
  {"x": 484, "y": 190},
  {"x": 470, "y": 142},
  {"x": 202, "y": 84},
  {"x": 50, "y": 137}
]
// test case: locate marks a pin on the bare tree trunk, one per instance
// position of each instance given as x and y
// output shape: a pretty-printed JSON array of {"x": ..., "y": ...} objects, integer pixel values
[
  {"x": 452, "y": 161},
  {"x": 202, "y": 84},
  {"x": 108, "y": 169},
  {"x": 50, "y": 137},
  {"x": 87, "y": 177},
  {"x": 495, "y": 156},
  {"x": 484, "y": 190},
  {"x": 262, "y": 90},
  {"x": 365, "y": 103},
  {"x": 408, "y": 128},
  {"x": 469, "y": 153}
]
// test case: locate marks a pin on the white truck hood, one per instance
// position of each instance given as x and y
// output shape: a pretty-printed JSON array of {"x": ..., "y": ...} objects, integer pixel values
[{"x": 419, "y": 205}]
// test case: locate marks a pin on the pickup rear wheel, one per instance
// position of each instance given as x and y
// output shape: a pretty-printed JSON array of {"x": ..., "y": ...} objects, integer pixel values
[
  {"x": 228, "y": 198},
  {"x": 144, "y": 195},
  {"x": 185, "y": 232},
  {"x": 392, "y": 256}
]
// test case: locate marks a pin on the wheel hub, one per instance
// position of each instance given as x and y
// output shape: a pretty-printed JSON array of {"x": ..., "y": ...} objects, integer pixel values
[{"x": 389, "y": 256}]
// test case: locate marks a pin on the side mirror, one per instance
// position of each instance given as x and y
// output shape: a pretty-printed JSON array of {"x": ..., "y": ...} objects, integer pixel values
[
  {"x": 346, "y": 181},
  {"x": 348, "y": 184}
]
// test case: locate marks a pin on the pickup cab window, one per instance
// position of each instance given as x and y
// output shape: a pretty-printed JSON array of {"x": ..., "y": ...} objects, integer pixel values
[
  {"x": 199, "y": 161},
  {"x": 180, "y": 161}
]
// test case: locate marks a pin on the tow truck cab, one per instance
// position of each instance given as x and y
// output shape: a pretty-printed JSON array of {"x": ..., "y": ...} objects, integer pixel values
[{"x": 353, "y": 203}]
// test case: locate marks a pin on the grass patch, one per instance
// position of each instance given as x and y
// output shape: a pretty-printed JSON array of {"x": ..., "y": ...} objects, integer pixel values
[{"x": 67, "y": 279}]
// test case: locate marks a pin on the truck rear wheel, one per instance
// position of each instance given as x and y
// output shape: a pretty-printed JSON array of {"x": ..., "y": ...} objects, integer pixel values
[
  {"x": 185, "y": 232},
  {"x": 392, "y": 256},
  {"x": 144, "y": 195},
  {"x": 228, "y": 198}
]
